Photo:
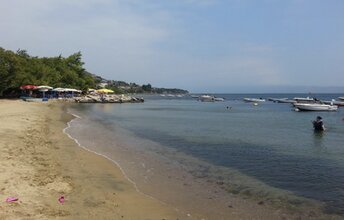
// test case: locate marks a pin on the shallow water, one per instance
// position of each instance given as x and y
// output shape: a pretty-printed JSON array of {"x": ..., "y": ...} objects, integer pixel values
[{"x": 267, "y": 151}]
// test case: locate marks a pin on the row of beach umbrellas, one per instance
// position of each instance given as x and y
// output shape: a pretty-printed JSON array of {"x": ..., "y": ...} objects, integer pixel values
[{"x": 44, "y": 88}]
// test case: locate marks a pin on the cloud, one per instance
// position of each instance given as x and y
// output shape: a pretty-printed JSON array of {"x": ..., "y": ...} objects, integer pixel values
[
  {"x": 66, "y": 26},
  {"x": 119, "y": 40},
  {"x": 186, "y": 43}
]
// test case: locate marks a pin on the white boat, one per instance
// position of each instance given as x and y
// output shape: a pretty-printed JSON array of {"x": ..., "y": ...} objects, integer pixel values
[
  {"x": 281, "y": 100},
  {"x": 341, "y": 98},
  {"x": 254, "y": 100},
  {"x": 285, "y": 101},
  {"x": 275, "y": 99},
  {"x": 206, "y": 98},
  {"x": 304, "y": 100},
  {"x": 219, "y": 99},
  {"x": 334, "y": 102},
  {"x": 315, "y": 107}
]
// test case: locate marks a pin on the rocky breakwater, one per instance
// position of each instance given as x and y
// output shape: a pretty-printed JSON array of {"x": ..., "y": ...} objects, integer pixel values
[{"x": 108, "y": 99}]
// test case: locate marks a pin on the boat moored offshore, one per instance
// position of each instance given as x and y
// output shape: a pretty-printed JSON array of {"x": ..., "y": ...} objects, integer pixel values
[
  {"x": 315, "y": 107},
  {"x": 207, "y": 98},
  {"x": 334, "y": 102},
  {"x": 304, "y": 100},
  {"x": 254, "y": 100}
]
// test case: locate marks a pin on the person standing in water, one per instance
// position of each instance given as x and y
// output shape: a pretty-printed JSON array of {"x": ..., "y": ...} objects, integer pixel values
[{"x": 318, "y": 124}]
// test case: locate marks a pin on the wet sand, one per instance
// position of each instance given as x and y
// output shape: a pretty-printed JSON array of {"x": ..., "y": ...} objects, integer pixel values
[{"x": 39, "y": 163}]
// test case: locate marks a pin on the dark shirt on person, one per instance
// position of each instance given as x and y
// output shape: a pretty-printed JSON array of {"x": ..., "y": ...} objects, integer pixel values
[{"x": 318, "y": 126}]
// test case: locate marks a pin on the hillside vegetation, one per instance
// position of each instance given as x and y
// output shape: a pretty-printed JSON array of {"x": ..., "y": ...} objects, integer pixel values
[{"x": 19, "y": 68}]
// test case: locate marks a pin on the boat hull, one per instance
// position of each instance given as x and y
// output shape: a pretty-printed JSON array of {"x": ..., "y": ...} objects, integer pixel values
[
  {"x": 338, "y": 103},
  {"x": 253, "y": 100},
  {"x": 207, "y": 98},
  {"x": 315, "y": 107}
]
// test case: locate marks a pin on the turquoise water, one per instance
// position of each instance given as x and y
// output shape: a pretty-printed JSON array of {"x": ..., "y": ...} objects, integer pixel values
[{"x": 269, "y": 143}]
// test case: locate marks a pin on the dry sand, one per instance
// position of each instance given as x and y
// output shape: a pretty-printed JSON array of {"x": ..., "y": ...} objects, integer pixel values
[{"x": 39, "y": 163}]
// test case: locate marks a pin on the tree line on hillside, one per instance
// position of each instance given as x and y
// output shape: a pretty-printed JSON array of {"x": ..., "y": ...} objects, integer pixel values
[
  {"x": 123, "y": 87},
  {"x": 19, "y": 68}
]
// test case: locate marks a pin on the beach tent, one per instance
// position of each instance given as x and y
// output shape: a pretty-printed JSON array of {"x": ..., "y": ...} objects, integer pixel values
[{"x": 105, "y": 91}]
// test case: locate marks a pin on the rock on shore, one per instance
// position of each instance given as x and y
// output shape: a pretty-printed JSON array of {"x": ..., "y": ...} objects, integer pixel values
[{"x": 108, "y": 99}]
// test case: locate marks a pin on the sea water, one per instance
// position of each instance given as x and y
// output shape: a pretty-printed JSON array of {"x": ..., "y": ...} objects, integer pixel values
[{"x": 266, "y": 152}]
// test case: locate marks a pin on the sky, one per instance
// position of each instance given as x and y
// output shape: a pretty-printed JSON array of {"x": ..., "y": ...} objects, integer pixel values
[{"x": 198, "y": 45}]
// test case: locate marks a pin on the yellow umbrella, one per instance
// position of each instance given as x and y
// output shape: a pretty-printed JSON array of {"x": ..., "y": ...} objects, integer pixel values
[{"x": 105, "y": 91}]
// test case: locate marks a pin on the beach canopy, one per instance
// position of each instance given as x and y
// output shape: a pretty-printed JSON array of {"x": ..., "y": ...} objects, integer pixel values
[
  {"x": 58, "y": 90},
  {"x": 44, "y": 87},
  {"x": 66, "y": 90},
  {"x": 29, "y": 87},
  {"x": 105, "y": 91}
]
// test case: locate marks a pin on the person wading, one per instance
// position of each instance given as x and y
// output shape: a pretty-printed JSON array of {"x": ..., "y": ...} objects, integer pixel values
[{"x": 318, "y": 124}]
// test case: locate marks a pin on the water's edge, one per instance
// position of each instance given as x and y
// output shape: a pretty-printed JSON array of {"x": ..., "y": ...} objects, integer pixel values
[{"x": 65, "y": 131}]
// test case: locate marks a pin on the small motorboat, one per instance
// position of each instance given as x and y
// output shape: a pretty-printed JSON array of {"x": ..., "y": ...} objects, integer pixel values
[
  {"x": 219, "y": 99},
  {"x": 207, "y": 98},
  {"x": 315, "y": 107},
  {"x": 254, "y": 100},
  {"x": 285, "y": 101},
  {"x": 341, "y": 98},
  {"x": 281, "y": 100},
  {"x": 334, "y": 102},
  {"x": 304, "y": 100}
]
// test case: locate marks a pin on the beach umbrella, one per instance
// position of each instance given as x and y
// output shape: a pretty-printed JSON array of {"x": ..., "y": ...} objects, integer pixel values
[
  {"x": 28, "y": 87},
  {"x": 105, "y": 91},
  {"x": 59, "y": 90},
  {"x": 44, "y": 87},
  {"x": 71, "y": 90}
]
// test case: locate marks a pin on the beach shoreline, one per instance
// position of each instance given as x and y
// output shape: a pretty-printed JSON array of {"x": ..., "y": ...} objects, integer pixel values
[
  {"x": 153, "y": 171},
  {"x": 41, "y": 162}
]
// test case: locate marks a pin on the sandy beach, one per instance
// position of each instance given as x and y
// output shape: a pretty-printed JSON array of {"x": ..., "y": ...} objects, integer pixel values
[{"x": 40, "y": 163}]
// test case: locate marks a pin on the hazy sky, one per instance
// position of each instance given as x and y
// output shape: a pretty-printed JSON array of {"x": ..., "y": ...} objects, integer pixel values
[{"x": 199, "y": 45}]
